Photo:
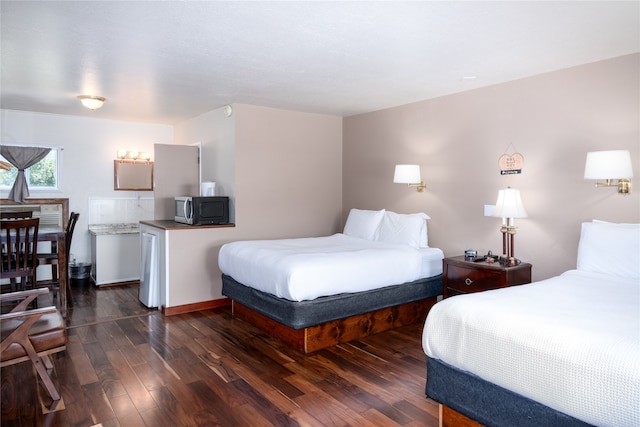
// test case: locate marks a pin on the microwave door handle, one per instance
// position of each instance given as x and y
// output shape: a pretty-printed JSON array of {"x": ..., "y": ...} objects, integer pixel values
[{"x": 184, "y": 209}]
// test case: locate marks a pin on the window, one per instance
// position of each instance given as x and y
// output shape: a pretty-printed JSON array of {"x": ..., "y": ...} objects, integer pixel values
[{"x": 41, "y": 176}]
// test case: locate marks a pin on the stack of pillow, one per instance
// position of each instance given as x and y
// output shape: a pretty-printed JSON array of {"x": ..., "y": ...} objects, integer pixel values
[{"x": 389, "y": 227}]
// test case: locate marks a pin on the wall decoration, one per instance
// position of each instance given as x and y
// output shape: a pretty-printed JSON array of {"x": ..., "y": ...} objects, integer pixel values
[{"x": 511, "y": 164}]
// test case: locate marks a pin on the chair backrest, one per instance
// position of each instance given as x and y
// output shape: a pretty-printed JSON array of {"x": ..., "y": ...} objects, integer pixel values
[
  {"x": 71, "y": 225},
  {"x": 19, "y": 241},
  {"x": 16, "y": 215}
]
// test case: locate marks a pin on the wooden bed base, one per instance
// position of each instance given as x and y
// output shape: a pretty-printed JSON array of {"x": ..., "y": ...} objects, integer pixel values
[
  {"x": 451, "y": 418},
  {"x": 324, "y": 335}
]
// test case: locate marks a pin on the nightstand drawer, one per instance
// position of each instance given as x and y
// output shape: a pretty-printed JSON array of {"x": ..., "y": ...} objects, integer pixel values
[
  {"x": 460, "y": 276},
  {"x": 468, "y": 280}
]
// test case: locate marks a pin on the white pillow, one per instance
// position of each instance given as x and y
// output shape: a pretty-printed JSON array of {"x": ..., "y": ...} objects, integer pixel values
[
  {"x": 363, "y": 223},
  {"x": 610, "y": 248},
  {"x": 408, "y": 229}
]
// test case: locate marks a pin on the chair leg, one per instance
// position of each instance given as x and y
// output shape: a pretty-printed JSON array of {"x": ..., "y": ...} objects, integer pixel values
[
  {"x": 55, "y": 280},
  {"x": 33, "y": 286},
  {"x": 42, "y": 371},
  {"x": 47, "y": 362}
]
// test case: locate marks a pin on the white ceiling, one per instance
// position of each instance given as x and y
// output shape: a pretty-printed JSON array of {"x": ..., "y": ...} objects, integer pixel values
[{"x": 167, "y": 61}]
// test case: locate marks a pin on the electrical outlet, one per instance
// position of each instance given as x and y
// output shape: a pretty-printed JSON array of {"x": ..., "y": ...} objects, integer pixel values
[{"x": 488, "y": 210}]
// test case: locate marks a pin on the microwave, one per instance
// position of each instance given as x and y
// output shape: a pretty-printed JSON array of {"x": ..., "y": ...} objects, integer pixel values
[{"x": 202, "y": 210}]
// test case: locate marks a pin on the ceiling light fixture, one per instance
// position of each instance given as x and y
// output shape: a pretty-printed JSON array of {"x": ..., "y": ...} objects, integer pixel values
[{"x": 92, "y": 102}]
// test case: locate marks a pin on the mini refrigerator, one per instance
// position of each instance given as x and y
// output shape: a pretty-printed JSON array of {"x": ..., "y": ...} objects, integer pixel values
[{"x": 149, "y": 293}]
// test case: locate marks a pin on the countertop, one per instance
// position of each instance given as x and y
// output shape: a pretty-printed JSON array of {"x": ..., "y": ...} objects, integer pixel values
[
  {"x": 122, "y": 228},
  {"x": 167, "y": 224}
]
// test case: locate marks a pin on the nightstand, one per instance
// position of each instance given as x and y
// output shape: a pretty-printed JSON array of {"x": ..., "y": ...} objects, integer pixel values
[{"x": 464, "y": 277}]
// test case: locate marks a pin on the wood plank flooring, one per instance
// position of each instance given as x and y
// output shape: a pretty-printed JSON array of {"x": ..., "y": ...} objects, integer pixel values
[{"x": 126, "y": 365}]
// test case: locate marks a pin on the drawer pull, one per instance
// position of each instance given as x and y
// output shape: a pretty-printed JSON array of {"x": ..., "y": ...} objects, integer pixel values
[{"x": 468, "y": 281}]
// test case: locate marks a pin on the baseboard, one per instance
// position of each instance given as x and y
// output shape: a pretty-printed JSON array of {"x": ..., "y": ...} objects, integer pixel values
[{"x": 197, "y": 306}]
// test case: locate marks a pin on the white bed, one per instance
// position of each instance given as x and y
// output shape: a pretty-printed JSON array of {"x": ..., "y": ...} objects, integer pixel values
[
  {"x": 308, "y": 268},
  {"x": 379, "y": 273},
  {"x": 571, "y": 342},
  {"x": 376, "y": 249}
]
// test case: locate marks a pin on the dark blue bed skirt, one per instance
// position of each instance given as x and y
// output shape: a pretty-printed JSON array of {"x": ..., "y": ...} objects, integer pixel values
[
  {"x": 487, "y": 403},
  {"x": 304, "y": 314}
]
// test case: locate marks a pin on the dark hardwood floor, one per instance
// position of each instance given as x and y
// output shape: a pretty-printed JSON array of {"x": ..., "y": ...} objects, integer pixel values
[{"x": 126, "y": 365}]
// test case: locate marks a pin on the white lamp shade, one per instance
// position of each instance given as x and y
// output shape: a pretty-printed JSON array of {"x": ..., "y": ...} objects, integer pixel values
[
  {"x": 509, "y": 204},
  {"x": 615, "y": 164},
  {"x": 407, "y": 174}
]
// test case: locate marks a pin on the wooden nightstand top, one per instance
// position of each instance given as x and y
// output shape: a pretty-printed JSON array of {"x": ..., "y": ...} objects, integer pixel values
[{"x": 462, "y": 261}]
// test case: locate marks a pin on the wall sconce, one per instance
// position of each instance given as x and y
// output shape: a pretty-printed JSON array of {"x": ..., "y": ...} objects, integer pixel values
[
  {"x": 610, "y": 165},
  {"x": 92, "y": 102},
  {"x": 134, "y": 155},
  {"x": 508, "y": 207},
  {"x": 410, "y": 175}
]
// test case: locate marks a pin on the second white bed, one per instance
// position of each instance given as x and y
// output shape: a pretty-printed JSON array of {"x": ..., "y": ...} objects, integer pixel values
[{"x": 571, "y": 342}]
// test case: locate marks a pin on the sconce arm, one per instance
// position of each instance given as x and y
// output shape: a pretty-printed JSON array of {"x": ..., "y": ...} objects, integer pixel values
[
  {"x": 420, "y": 187},
  {"x": 623, "y": 184}
]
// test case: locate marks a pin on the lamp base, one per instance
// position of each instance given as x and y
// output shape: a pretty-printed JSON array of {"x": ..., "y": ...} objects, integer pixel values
[
  {"x": 508, "y": 236},
  {"x": 508, "y": 261}
]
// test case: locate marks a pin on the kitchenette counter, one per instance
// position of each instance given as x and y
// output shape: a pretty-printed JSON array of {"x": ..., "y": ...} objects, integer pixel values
[
  {"x": 167, "y": 224},
  {"x": 107, "y": 229},
  {"x": 179, "y": 265},
  {"x": 115, "y": 253}
]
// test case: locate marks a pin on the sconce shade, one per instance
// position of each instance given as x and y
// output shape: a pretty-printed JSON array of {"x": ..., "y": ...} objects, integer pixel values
[
  {"x": 91, "y": 102},
  {"x": 407, "y": 174},
  {"x": 509, "y": 204},
  {"x": 614, "y": 164}
]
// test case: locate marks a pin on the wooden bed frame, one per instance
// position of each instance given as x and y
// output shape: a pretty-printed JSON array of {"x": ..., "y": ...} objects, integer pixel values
[
  {"x": 314, "y": 338},
  {"x": 451, "y": 418}
]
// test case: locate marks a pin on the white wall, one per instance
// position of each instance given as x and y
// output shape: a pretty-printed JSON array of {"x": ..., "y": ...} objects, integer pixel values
[
  {"x": 216, "y": 134},
  {"x": 89, "y": 148}
]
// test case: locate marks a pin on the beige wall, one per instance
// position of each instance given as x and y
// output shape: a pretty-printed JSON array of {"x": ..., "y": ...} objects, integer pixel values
[
  {"x": 288, "y": 173},
  {"x": 551, "y": 119},
  {"x": 288, "y": 183},
  {"x": 282, "y": 169}
]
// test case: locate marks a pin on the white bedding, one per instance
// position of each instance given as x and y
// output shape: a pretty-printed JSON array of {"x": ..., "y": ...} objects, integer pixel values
[
  {"x": 571, "y": 342},
  {"x": 308, "y": 268}
]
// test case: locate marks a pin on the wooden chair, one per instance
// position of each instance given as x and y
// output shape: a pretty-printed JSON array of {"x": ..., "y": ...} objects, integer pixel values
[
  {"x": 51, "y": 258},
  {"x": 16, "y": 215},
  {"x": 19, "y": 240},
  {"x": 32, "y": 335}
]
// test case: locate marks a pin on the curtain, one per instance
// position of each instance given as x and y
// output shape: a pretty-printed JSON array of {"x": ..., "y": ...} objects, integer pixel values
[{"x": 22, "y": 158}]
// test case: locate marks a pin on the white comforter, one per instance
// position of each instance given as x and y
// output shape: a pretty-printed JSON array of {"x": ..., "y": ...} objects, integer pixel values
[
  {"x": 571, "y": 342},
  {"x": 308, "y": 268}
]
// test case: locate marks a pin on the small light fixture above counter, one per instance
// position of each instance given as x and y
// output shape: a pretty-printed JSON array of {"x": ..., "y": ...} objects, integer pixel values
[
  {"x": 134, "y": 155},
  {"x": 133, "y": 171}
]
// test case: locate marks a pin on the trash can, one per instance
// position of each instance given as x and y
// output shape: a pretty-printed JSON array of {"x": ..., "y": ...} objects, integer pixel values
[{"x": 79, "y": 273}]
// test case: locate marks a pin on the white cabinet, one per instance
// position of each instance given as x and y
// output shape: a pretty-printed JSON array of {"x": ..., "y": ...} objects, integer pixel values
[{"x": 115, "y": 254}]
